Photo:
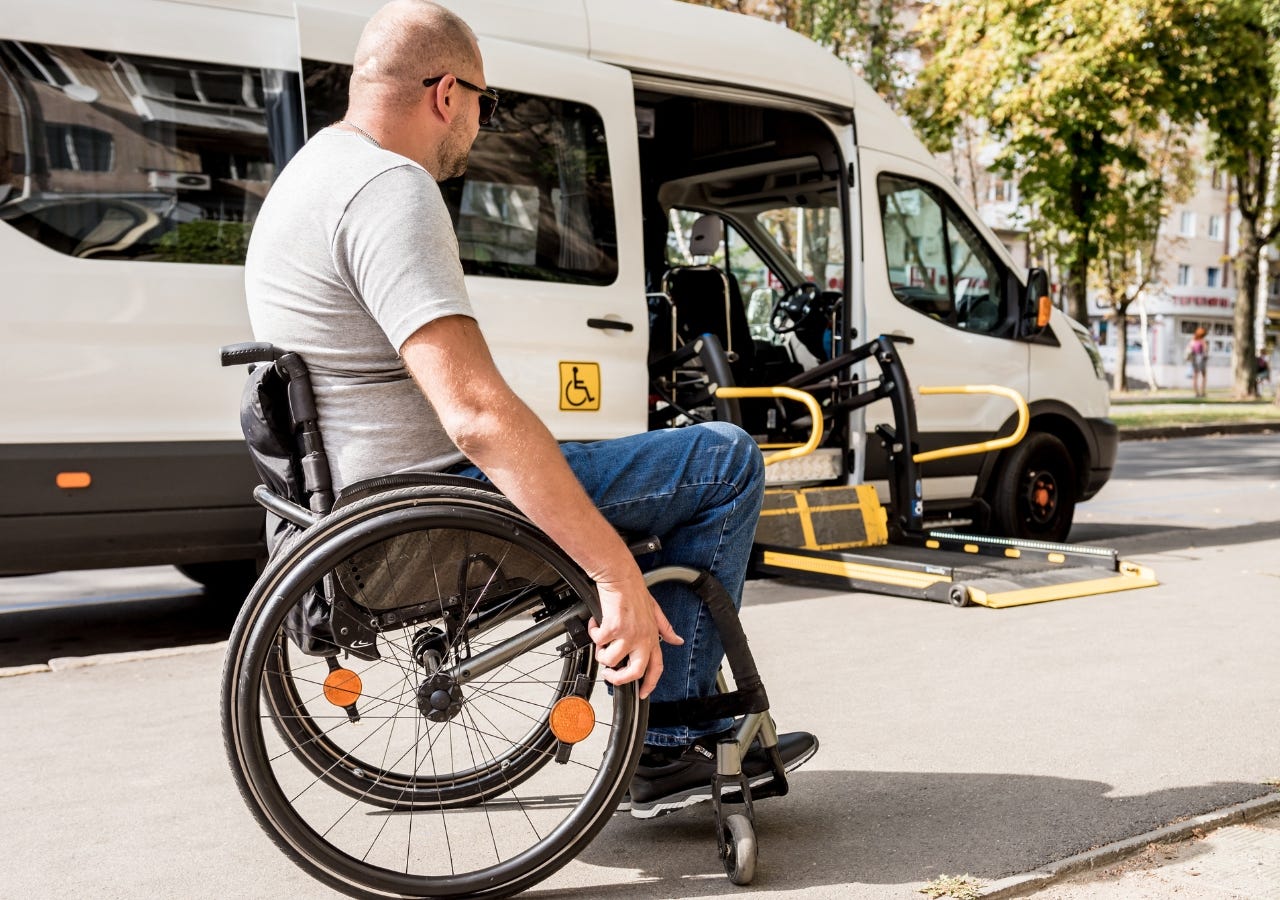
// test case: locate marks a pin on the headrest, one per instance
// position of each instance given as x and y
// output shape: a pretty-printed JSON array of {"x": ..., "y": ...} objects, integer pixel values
[{"x": 706, "y": 235}]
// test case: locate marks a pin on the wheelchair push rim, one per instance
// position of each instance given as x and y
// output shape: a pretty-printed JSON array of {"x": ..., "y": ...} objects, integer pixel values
[{"x": 505, "y": 820}]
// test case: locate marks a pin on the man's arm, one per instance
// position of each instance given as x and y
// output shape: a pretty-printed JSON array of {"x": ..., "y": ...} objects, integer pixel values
[{"x": 452, "y": 365}]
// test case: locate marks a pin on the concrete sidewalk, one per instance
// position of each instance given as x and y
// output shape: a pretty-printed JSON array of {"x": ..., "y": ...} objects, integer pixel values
[{"x": 973, "y": 741}]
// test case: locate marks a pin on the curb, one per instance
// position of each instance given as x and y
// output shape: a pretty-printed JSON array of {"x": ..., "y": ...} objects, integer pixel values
[
  {"x": 1177, "y": 431},
  {"x": 66, "y": 663},
  {"x": 1030, "y": 882}
]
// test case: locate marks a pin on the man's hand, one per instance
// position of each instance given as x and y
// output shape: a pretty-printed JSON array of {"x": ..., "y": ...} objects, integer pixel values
[{"x": 629, "y": 640}]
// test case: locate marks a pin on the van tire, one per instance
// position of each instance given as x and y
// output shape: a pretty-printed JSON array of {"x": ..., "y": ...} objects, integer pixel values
[
  {"x": 1035, "y": 493},
  {"x": 231, "y": 578}
]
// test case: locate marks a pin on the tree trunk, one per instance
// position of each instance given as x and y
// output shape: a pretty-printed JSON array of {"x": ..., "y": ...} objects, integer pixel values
[
  {"x": 1244, "y": 353},
  {"x": 1077, "y": 287},
  {"x": 1122, "y": 349}
]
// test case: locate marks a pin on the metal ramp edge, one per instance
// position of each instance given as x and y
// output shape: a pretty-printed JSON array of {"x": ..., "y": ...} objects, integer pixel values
[{"x": 1037, "y": 573}]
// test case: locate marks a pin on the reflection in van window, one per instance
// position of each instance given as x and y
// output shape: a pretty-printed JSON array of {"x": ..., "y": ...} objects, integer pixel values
[
  {"x": 536, "y": 201},
  {"x": 118, "y": 156},
  {"x": 938, "y": 264}
]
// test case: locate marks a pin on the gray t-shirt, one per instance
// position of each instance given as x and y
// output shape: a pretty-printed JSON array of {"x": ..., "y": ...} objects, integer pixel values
[{"x": 352, "y": 252}]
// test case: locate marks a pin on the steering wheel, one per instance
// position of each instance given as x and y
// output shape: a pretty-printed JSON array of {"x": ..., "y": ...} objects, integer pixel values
[{"x": 793, "y": 307}]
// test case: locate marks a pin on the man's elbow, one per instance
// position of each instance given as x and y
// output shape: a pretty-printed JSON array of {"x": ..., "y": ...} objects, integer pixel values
[{"x": 475, "y": 431}]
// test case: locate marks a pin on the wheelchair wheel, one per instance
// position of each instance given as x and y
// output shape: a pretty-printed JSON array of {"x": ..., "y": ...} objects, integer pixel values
[{"x": 470, "y": 757}]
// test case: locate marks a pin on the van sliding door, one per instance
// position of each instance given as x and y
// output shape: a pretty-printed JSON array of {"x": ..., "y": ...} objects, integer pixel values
[{"x": 548, "y": 224}]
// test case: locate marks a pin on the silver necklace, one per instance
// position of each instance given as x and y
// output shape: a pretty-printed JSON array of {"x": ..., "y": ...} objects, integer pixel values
[{"x": 359, "y": 129}]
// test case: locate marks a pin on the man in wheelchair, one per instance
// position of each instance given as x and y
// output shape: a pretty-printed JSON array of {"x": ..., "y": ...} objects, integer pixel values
[{"x": 354, "y": 265}]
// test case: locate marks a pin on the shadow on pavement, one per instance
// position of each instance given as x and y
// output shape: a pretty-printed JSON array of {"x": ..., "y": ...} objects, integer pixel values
[
  {"x": 1131, "y": 540},
  {"x": 889, "y": 828},
  {"x": 32, "y": 637}
]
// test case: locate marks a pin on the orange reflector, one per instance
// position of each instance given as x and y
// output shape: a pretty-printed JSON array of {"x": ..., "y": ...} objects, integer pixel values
[
  {"x": 342, "y": 687},
  {"x": 1057, "y": 558},
  {"x": 1044, "y": 313},
  {"x": 73, "y": 480},
  {"x": 932, "y": 545},
  {"x": 1013, "y": 552},
  {"x": 970, "y": 548},
  {"x": 572, "y": 719}
]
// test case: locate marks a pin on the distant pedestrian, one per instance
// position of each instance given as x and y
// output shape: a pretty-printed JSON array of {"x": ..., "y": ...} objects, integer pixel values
[{"x": 1198, "y": 356}]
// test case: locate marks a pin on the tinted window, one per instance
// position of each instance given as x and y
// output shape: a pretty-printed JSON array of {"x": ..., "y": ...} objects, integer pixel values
[
  {"x": 536, "y": 201},
  {"x": 118, "y": 156},
  {"x": 938, "y": 264}
]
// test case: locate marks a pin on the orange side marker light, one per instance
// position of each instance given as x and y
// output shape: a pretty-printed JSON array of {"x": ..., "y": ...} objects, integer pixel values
[
  {"x": 69, "y": 480},
  {"x": 342, "y": 687},
  {"x": 572, "y": 719}
]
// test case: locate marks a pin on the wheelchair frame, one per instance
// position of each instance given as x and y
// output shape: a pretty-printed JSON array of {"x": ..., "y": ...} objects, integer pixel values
[{"x": 331, "y": 535}]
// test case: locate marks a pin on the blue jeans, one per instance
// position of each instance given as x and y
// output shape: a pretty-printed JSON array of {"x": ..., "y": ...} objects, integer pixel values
[{"x": 698, "y": 490}]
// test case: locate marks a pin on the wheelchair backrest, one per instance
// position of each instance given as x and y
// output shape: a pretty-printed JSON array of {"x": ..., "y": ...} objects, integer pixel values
[{"x": 281, "y": 426}]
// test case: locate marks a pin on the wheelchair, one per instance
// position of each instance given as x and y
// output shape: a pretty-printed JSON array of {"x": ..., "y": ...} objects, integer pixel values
[{"x": 411, "y": 704}]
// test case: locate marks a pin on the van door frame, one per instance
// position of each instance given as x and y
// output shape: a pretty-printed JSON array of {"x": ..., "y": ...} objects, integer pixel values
[{"x": 840, "y": 121}]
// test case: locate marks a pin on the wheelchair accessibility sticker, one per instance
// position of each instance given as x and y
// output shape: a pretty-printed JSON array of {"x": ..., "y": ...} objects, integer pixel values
[{"x": 580, "y": 386}]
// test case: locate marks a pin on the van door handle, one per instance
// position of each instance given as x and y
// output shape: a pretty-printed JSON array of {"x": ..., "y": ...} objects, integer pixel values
[{"x": 607, "y": 324}]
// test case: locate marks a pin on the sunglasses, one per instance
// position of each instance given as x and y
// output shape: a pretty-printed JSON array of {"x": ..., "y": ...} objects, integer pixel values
[{"x": 488, "y": 96}]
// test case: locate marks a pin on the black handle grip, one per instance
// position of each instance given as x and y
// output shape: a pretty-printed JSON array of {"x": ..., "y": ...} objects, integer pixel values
[
  {"x": 607, "y": 324},
  {"x": 249, "y": 352}
]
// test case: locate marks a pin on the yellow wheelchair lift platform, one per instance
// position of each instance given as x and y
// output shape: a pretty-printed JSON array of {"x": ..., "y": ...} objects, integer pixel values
[{"x": 842, "y": 537}]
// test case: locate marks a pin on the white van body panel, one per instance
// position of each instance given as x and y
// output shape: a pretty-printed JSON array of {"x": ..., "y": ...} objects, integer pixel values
[
  {"x": 557, "y": 24},
  {"x": 174, "y": 29},
  {"x": 702, "y": 44},
  {"x": 124, "y": 351},
  {"x": 1065, "y": 374}
]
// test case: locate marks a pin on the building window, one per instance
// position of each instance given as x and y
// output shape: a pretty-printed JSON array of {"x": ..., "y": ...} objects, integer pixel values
[
  {"x": 1212, "y": 276},
  {"x": 78, "y": 148},
  {"x": 1184, "y": 276},
  {"x": 1215, "y": 227},
  {"x": 1187, "y": 228}
]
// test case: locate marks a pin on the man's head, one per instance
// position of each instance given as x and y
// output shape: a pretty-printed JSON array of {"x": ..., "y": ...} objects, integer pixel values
[{"x": 405, "y": 43}]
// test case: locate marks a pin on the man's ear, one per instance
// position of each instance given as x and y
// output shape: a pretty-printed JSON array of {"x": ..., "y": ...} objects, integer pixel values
[{"x": 443, "y": 93}]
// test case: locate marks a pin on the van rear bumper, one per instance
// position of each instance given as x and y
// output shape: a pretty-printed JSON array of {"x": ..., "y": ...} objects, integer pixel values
[{"x": 1104, "y": 441}]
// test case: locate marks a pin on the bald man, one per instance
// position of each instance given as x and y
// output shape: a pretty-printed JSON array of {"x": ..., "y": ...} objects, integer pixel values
[{"x": 353, "y": 263}]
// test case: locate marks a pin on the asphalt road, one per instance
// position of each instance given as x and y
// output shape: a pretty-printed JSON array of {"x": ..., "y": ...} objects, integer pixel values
[{"x": 981, "y": 741}]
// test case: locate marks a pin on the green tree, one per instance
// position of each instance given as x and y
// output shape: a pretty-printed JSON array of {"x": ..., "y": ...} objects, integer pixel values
[
  {"x": 1242, "y": 111},
  {"x": 1066, "y": 88}
]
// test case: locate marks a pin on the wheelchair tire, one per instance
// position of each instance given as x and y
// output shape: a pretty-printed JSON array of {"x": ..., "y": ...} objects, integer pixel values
[{"x": 379, "y": 799}]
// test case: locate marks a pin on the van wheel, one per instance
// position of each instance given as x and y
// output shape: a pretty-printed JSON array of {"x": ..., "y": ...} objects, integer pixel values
[
  {"x": 1035, "y": 497},
  {"x": 229, "y": 578}
]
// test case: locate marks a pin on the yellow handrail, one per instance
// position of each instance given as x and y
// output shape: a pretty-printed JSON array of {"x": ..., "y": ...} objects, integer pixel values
[
  {"x": 1024, "y": 418},
  {"x": 785, "y": 393}
]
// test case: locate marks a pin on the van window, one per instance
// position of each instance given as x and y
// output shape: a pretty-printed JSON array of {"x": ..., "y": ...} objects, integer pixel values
[
  {"x": 938, "y": 264},
  {"x": 813, "y": 238},
  {"x": 118, "y": 156},
  {"x": 536, "y": 201}
]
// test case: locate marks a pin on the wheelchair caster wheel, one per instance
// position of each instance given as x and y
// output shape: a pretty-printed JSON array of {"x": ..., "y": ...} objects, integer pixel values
[
  {"x": 958, "y": 595},
  {"x": 740, "y": 849}
]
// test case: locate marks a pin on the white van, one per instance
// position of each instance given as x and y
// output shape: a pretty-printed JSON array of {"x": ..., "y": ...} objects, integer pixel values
[{"x": 138, "y": 138}]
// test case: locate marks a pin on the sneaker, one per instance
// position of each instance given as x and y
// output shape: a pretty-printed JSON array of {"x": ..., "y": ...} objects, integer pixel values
[{"x": 672, "y": 778}]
